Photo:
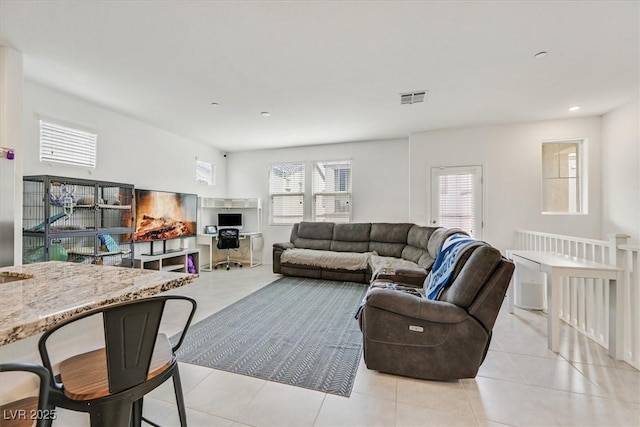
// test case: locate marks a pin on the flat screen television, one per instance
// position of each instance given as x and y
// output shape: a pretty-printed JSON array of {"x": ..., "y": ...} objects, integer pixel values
[
  {"x": 162, "y": 215},
  {"x": 230, "y": 220}
]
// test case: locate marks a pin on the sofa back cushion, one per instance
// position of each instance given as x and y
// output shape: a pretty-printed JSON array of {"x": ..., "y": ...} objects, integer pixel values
[
  {"x": 416, "y": 249},
  {"x": 353, "y": 237},
  {"x": 438, "y": 237},
  {"x": 473, "y": 269},
  {"x": 312, "y": 235},
  {"x": 480, "y": 282},
  {"x": 389, "y": 239}
]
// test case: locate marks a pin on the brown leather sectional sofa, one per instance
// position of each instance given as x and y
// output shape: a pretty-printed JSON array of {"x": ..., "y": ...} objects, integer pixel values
[
  {"x": 417, "y": 245},
  {"x": 404, "y": 332}
]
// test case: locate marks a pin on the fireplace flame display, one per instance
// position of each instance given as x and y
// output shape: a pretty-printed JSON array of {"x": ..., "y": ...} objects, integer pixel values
[{"x": 162, "y": 215}]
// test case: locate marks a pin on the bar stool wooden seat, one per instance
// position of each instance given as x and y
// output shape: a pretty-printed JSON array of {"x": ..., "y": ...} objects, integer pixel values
[
  {"x": 86, "y": 375},
  {"x": 110, "y": 383},
  {"x": 24, "y": 411}
]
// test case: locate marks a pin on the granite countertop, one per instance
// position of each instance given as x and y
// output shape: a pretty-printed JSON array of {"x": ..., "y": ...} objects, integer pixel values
[{"x": 52, "y": 291}]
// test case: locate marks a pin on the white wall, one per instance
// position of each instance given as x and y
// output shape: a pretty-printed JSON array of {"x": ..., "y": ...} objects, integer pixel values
[
  {"x": 129, "y": 151},
  {"x": 511, "y": 157},
  {"x": 11, "y": 85},
  {"x": 621, "y": 170},
  {"x": 380, "y": 180},
  {"x": 390, "y": 177}
]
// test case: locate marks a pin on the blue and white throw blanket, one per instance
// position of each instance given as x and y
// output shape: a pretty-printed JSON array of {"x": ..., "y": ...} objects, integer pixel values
[{"x": 445, "y": 263}]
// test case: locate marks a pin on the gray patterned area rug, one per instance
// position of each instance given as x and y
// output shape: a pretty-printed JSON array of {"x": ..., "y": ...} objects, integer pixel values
[{"x": 294, "y": 331}]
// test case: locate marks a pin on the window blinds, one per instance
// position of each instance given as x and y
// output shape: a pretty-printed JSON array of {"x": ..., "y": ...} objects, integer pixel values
[
  {"x": 286, "y": 191},
  {"x": 457, "y": 202},
  {"x": 67, "y": 145}
]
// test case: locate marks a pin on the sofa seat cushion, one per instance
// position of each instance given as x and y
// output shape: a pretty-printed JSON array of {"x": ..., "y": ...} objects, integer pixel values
[
  {"x": 381, "y": 263},
  {"x": 326, "y": 259}
]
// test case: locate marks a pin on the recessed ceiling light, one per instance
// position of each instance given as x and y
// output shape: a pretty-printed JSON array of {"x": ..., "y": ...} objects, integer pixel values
[
  {"x": 215, "y": 104},
  {"x": 265, "y": 114},
  {"x": 574, "y": 108},
  {"x": 540, "y": 55}
]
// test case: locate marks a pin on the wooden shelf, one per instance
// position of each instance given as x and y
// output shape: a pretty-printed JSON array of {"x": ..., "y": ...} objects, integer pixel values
[
  {"x": 173, "y": 267},
  {"x": 170, "y": 261}
]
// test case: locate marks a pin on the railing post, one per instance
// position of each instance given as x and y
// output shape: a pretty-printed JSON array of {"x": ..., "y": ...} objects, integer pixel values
[
  {"x": 618, "y": 305},
  {"x": 616, "y": 256}
]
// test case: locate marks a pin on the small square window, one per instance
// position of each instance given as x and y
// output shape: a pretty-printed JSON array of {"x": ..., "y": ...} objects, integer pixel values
[
  {"x": 205, "y": 173},
  {"x": 67, "y": 145},
  {"x": 562, "y": 177}
]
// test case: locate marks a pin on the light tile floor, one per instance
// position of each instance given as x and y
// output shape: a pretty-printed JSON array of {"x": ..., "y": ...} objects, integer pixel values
[{"x": 521, "y": 383}]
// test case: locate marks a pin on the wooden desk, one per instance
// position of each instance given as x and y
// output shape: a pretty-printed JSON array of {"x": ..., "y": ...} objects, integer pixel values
[
  {"x": 250, "y": 250},
  {"x": 555, "y": 267},
  {"x": 58, "y": 290}
]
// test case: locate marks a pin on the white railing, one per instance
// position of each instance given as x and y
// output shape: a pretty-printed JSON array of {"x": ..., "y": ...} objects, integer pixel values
[
  {"x": 630, "y": 262},
  {"x": 585, "y": 302}
]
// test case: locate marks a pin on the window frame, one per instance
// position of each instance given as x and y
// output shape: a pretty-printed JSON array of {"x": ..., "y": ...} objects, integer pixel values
[
  {"x": 316, "y": 194},
  {"x": 582, "y": 178},
  {"x": 287, "y": 194},
  {"x": 202, "y": 179}
]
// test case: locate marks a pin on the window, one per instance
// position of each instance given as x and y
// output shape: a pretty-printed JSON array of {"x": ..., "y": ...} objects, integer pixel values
[
  {"x": 562, "y": 177},
  {"x": 286, "y": 193},
  {"x": 205, "y": 173},
  {"x": 332, "y": 191},
  {"x": 63, "y": 144},
  {"x": 456, "y": 198}
]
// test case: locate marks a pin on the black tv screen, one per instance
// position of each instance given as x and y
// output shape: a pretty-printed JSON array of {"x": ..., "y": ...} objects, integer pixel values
[{"x": 162, "y": 215}]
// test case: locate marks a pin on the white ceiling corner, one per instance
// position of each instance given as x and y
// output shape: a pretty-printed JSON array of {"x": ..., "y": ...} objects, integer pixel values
[{"x": 329, "y": 71}]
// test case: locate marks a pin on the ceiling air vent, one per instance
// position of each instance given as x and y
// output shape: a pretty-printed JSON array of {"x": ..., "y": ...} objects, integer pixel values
[{"x": 413, "y": 97}]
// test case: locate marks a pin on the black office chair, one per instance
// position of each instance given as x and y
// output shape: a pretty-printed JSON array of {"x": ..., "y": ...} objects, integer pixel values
[
  {"x": 110, "y": 382},
  {"x": 24, "y": 411},
  {"x": 228, "y": 238}
]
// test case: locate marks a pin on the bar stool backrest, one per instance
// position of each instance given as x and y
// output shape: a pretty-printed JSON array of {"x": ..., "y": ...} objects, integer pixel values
[
  {"x": 20, "y": 415},
  {"x": 130, "y": 335},
  {"x": 130, "y": 332}
]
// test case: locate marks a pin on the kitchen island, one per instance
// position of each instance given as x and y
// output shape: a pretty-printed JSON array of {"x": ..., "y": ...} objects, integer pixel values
[{"x": 35, "y": 297}]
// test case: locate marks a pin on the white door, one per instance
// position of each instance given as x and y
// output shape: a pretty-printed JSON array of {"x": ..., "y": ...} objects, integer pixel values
[{"x": 456, "y": 198}]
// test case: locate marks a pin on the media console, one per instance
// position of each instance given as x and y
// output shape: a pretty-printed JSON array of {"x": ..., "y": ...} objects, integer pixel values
[{"x": 169, "y": 261}]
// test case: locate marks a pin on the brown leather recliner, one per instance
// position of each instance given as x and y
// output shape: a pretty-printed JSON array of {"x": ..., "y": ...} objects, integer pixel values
[{"x": 442, "y": 339}]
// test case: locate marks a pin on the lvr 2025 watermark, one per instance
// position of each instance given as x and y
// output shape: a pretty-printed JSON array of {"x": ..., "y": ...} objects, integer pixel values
[{"x": 29, "y": 414}]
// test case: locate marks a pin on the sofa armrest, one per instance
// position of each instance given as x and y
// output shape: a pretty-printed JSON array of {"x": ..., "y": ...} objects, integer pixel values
[
  {"x": 278, "y": 248},
  {"x": 415, "y": 307},
  {"x": 283, "y": 245},
  {"x": 417, "y": 272},
  {"x": 412, "y": 275}
]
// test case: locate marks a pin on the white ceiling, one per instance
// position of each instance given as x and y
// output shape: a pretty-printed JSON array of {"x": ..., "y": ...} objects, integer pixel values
[{"x": 329, "y": 71}]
